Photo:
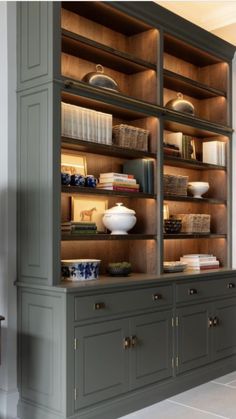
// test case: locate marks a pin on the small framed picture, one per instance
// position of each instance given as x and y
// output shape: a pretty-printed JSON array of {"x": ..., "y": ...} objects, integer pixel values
[
  {"x": 89, "y": 210},
  {"x": 73, "y": 164}
]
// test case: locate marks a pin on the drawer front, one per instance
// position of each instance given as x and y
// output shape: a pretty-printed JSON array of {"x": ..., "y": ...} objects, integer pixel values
[
  {"x": 196, "y": 290},
  {"x": 100, "y": 305}
]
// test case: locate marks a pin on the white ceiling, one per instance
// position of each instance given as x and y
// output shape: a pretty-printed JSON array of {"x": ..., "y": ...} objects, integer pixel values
[{"x": 218, "y": 17}]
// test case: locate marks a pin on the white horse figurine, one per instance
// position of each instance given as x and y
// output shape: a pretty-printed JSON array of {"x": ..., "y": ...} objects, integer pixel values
[{"x": 86, "y": 215}]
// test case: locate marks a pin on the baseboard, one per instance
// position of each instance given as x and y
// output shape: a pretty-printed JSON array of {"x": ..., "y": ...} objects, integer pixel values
[
  {"x": 8, "y": 404},
  {"x": 135, "y": 400}
]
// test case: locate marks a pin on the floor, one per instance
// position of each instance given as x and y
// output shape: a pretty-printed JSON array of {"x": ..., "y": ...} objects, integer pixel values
[{"x": 216, "y": 399}]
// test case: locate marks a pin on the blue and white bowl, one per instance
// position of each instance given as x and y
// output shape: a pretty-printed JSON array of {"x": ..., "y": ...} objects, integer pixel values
[{"x": 80, "y": 269}]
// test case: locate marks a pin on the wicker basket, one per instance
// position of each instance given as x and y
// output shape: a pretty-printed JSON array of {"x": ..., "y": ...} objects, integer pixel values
[
  {"x": 195, "y": 223},
  {"x": 130, "y": 137},
  {"x": 175, "y": 185}
]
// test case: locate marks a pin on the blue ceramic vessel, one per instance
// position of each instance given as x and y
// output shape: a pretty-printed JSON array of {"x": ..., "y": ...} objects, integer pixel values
[
  {"x": 77, "y": 180},
  {"x": 65, "y": 178}
]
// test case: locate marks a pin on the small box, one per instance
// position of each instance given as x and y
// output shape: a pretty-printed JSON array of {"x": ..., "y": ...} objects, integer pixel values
[
  {"x": 130, "y": 137},
  {"x": 175, "y": 185},
  {"x": 195, "y": 223}
]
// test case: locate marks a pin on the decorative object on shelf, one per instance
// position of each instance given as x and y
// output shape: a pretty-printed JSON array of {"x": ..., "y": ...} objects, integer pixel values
[
  {"x": 80, "y": 269},
  {"x": 99, "y": 79},
  {"x": 195, "y": 223},
  {"x": 119, "y": 219},
  {"x": 129, "y": 136},
  {"x": 118, "y": 182},
  {"x": 77, "y": 180},
  {"x": 91, "y": 181},
  {"x": 177, "y": 266},
  {"x": 172, "y": 225},
  {"x": 197, "y": 189},
  {"x": 119, "y": 268},
  {"x": 65, "y": 178},
  {"x": 214, "y": 152},
  {"x": 86, "y": 124},
  {"x": 86, "y": 209},
  {"x": 143, "y": 171},
  {"x": 181, "y": 105},
  {"x": 166, "y": 213},
  {"x": 73, "y": 164},
  {"x": 200, "y": 262},
  {"x": 175, "y": 185}
]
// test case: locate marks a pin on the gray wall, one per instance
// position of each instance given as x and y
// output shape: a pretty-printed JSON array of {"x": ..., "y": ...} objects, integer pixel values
[{"x": 8, "y": 388}]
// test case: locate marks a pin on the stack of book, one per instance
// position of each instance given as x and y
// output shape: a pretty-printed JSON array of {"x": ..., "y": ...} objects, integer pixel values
[
  {"x": 118, "y": 182},
  {"x": 79, "y": 227},
  {"x": 185, "y": 144},
  {"x": 213, "y": 152},
  {"x": 171, "y": 150},
  {"x": 199, "y": 262}
]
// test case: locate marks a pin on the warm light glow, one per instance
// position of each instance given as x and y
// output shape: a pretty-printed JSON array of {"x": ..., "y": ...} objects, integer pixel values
[{"x": 165, "y": 211}]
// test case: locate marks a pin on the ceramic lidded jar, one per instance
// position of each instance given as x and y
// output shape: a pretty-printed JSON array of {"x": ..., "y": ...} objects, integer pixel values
[{"x": 119, "y": 219}]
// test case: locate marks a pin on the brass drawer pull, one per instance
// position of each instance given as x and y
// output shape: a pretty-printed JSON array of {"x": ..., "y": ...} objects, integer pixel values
[
  {"x": 99, "y": 306},
  {"x": 210, "y": 322},
  {"x": 126, "y": 343},
  {"x": 192, "y": 291},
  {"x": 134, "y": 341},
  {"x": 156, "y": 297},
  {"x": 230, "y": 285}
]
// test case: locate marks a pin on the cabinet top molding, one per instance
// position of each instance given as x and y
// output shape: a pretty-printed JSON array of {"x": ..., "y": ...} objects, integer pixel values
[{"x": 159, "y": 17}]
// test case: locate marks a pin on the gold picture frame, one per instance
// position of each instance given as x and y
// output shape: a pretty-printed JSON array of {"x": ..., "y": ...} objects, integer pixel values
[
  {"x": 73, "y": 164},
  {"x": 89, "y": 210}
]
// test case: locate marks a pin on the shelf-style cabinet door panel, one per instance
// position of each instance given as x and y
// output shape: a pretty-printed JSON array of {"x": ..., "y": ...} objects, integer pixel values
[
  {"x": 193, "y": 337},
  {"x": 151, "y": 348},
  {"x": 101, "y": 362},
  {"x": 224, "y": 336}
]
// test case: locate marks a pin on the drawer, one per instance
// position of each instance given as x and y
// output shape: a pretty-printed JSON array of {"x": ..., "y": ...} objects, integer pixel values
[
  {"x": 106, "y": 304},
  {"x": 196, "y": 290}
]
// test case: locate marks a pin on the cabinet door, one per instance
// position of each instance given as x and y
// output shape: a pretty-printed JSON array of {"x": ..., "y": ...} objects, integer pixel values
[
  {"x": 193, "y": 337},
  {"x": 224, "y": 336},
  {"x": 101, "y": 362},
  {"x": 151, "y": 348}
]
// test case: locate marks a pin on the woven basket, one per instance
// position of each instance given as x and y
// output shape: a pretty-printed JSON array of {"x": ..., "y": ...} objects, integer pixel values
[
  {"x": 175, "y": 185},
  {"x": 195, "y": 223},
  {"x": 130, "y": 137}
]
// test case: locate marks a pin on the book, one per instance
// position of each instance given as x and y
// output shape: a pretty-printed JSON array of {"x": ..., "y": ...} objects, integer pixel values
[
  {"x": 214, "y": 152},
  {"x": 138, "y": 169},
  {"x": 120, "y": 188},
  {"x": 125, "y": 184},
  {"x": 118, "y": 179},
  {"x": 182, "y": 142},
  {"x": 150, "y": 176},
  {"x": 113, "y": 174}
]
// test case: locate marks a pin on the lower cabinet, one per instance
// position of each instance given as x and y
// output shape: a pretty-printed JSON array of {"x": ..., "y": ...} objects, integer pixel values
[
  {"x": 114, "y": 357},
  {"x": 205, "y": 333}
]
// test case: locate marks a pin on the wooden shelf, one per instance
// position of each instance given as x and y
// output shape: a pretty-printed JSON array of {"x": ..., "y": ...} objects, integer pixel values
[
  {"x": 73, "y": 190},
  {"x": 196, "y": 200},
  {"x": 109, "y": 150},
  {"x": 93, "y": 51},
  {"x": 101, "y": 236},
  {"x": 191, "y": 164},
  {"x": 194, "y": 236},
  {"x": 189, "y": 87}
]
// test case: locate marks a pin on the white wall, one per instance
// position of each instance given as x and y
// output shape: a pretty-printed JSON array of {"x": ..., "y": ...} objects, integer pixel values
[{"x": 8, "y": 384}]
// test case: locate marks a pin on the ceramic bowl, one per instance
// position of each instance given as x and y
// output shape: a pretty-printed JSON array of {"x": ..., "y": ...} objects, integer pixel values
[
  {"x": 172, "y": 226},
  {"x": 197, "y": 189},
  {"x": 80, "y": 269},
  {"x": 119, "y": 219}
]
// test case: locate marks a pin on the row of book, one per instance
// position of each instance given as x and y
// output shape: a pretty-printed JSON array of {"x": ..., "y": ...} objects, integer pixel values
[
  {"x": 80, "y": 227},
  {"x": 214, "y": 152},
  {"x": 86, "y": 124},
  {"x": 199, "y": 262},
  {"x": 183, "y": 143},
  {"x": 118, "y": 182}
]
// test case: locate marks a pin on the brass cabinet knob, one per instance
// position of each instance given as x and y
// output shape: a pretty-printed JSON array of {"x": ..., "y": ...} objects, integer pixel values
[
  {"x": 134, "y": 341},
  {"x": 126, "y": 343},
  {"x": 192, "y": 291},
  {"x": 99, "y": 306},
  {"x": 230, "y": 285},
  {"x": 215, "y": 321},
  {"x": 156, "y": 297},
  {"x": 210, "y": 322}
]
